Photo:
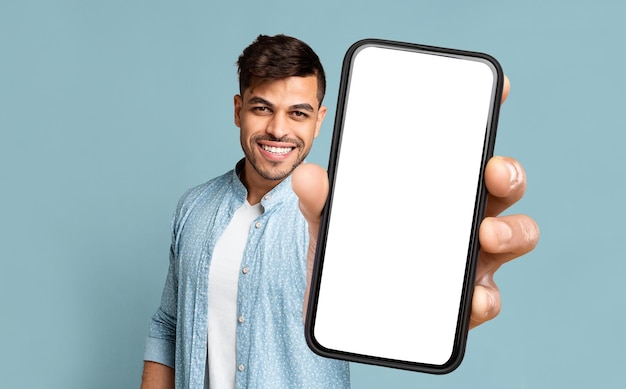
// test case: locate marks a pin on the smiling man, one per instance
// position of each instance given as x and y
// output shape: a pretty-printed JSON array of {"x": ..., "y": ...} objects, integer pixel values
[
  {"x": 278, "y": 120},
  {"x": 231, "y": 313}
]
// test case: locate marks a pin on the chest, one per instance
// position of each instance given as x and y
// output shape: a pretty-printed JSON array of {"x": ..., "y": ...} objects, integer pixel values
[{"x": 273, "y": 260}]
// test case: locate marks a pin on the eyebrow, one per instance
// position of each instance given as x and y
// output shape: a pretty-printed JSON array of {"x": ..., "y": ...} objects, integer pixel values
[
  {"x": 303, "y": 106},
  {"x": 260, "y": 100}
]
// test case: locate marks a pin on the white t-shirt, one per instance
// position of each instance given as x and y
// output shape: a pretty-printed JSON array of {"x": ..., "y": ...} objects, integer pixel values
[{"x": 222, "y": 314}]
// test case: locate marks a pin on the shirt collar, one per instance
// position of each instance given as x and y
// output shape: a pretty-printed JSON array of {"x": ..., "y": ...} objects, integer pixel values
[{"x": 272, "y": 198}]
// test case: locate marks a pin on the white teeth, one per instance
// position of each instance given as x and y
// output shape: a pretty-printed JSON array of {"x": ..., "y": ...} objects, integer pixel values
[{"x": 276, "y": 150}]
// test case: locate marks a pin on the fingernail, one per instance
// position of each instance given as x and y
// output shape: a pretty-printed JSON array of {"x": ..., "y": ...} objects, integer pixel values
[
  {"x": 514, "y": 174},
  {"x": 503, "y": 231},
  {"x": 492, "y": 304}
]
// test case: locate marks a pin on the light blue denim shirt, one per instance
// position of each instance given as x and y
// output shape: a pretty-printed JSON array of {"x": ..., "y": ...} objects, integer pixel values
[{"x": 271, "y": 349}]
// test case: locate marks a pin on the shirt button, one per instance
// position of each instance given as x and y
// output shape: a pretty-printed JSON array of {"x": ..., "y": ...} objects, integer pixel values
[
  {"x": 245, "y": 270},
  {"x": 240, "y": 319},
  {"x": 258, "y": 224},
  {"x": 266, "y": 197},
  {"x": 241, "y": 368}
]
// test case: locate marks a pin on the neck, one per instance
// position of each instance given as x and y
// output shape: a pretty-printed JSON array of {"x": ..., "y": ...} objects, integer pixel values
[{"x": 256, "y": 185}]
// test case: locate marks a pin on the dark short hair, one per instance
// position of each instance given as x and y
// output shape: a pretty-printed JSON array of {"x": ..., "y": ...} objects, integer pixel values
[{"x": 277, "y": 57}]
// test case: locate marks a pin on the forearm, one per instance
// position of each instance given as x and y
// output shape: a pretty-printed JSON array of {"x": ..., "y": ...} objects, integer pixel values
[
  {"x": 309, "y": 267},
  {"x": 157, "y": 376}
]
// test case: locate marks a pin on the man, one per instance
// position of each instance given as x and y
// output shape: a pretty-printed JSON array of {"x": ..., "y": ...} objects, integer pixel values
[{"x": 231, "y": 314}]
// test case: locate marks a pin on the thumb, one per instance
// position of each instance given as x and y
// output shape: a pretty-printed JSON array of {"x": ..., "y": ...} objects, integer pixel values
[{"x": 310, "y": 184}]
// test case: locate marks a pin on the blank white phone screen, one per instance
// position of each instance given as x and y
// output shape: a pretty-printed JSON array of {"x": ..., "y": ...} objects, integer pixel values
[{"x": 403, "y": 204}]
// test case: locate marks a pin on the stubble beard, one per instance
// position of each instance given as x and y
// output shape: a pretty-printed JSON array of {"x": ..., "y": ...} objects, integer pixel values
[{"x": 273, "y": 174}]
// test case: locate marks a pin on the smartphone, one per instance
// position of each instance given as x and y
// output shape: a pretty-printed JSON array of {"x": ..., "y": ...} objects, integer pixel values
[{"x": 395, "y": 264}]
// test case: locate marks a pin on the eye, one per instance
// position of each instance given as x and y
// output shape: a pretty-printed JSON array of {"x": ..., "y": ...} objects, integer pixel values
[
  {"x": 262, "y": 110},
  {"x": 300, "y": 114}
]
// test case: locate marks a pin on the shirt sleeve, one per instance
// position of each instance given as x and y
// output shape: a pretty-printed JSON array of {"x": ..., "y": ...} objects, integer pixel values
[{"x": 160, "y": 344}]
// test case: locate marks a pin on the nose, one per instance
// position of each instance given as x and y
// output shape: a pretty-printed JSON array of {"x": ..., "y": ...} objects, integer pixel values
[{"x": 278, "y": 125}]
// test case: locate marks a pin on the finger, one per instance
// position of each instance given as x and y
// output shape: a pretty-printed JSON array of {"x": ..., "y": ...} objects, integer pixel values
[
  {"x": 505, "y": 89},
  {"x": 310, "y": 184},
  {"x": 501, "y": 239},
  {"x": 505, "y": 180},
  {"x": 485, "y": 304},
  {"x": 506, "y": 237}
]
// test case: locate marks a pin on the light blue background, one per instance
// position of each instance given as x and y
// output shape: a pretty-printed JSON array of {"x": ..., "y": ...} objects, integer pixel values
[{"x": 109, "y": 110}]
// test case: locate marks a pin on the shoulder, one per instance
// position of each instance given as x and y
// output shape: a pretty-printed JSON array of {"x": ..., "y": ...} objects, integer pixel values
[
  {"x": 202, "y": 194},
  {"x": 216, "y": 184}
]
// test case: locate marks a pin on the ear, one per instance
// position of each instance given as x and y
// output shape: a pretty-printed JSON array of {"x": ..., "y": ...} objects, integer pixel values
[
  {"x": 238, "y": 102},
  {"x": 321, "y": 114}
]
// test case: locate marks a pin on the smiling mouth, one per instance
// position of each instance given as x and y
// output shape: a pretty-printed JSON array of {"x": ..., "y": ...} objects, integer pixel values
[{"x": 277, "y": 150}]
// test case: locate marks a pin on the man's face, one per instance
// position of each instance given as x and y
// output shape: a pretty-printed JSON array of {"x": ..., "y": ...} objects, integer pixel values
[{"x": 278, "y": 120}]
